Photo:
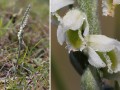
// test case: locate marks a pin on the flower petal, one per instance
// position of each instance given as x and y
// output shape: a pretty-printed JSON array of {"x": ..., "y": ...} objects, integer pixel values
[
  {"x": 60, "y": 34},
  {"x": 74, "y": 19},
  {"x": 116, "y": 60},
  {"x": 86, "y": 31},
  {"x": 94, "y": 59},
  {"x": 57, "y": 4},
  {"x": 74, "y": 39},
  {"x": 101, "y": 43}
]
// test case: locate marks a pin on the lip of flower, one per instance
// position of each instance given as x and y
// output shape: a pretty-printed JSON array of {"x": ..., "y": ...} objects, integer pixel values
[
  {"x": 57, "y": 4},
  {"x": 73, "y": 22}
]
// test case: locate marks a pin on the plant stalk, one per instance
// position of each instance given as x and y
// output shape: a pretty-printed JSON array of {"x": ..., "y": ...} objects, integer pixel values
[{"x": 90, "y": 80}]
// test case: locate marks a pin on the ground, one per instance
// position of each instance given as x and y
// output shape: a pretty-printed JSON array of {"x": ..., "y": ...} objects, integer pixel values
[{"x": 31, "y": 70}]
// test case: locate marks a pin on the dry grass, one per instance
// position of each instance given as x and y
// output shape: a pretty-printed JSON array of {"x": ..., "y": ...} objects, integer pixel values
[{"x": 32, "y": 70}]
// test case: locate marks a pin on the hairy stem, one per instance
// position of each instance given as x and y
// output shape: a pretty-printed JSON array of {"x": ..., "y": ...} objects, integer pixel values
[
  {"x": 90, "y": 80},
  {"x": 90, "y": 8}
]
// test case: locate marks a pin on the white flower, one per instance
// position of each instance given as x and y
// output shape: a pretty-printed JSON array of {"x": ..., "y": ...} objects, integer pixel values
[
  {"x": 103, "y": 52},
  {"x": 108, "y": 7},
  {"x": 93, "y": 58},
  {"x": 57, "y": 4},
  {"x": 73, "y": 22}
]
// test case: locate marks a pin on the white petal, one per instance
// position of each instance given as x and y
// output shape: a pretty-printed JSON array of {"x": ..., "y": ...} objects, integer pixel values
[
  {"x": 86, "y": 31},
  {"x": 101, "y": 43},
  {"x": 94, "y": 59},
  {"x": 57, "y": 4},
  {"x": 117, "y": 44},
  {"x": 60, "y": 34},
  {"x": 74, "y": 19}
]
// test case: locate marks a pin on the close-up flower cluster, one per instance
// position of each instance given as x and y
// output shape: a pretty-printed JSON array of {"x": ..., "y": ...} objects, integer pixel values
[{"x": 103, "y": 52}]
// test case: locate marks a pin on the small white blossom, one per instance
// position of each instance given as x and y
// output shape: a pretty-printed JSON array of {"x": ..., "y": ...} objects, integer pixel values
[
  {"x": 57, "y": 4},
  {"x": 103, "y": 52},
  {"x": 73, "y": 21},
  {"x": 108, "y": 7}
]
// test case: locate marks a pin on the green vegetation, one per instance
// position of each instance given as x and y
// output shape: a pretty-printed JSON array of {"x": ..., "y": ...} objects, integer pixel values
[{"x": 32, "y": 69}]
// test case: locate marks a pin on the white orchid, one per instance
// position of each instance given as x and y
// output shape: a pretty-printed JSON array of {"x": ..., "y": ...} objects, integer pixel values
[
  {"x": 108, "y": 7},
  {"x": 57, "y": 4},
  {"x": 70, "y": 24},
  {"x": 103, "y": 51}
]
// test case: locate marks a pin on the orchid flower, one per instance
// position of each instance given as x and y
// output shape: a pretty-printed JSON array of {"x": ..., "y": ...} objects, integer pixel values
[
  {"x": 109, "y": 7},
  {"x": 72, "y": 23},
  {"x": 57, "y": 4},
  {"x": 103, "y": 51}
]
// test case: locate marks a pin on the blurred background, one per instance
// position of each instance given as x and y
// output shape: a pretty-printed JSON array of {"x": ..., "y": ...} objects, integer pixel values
[
  {"x": 33, "y": 70},
  {"x": 64, "y": 76}
]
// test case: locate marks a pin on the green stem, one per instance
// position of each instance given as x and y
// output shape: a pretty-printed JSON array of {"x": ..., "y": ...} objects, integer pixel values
[
  {"x": 116, "y": 86},
  {"x": 90, "y": 80},
  {"x": 90, "y": 8}
]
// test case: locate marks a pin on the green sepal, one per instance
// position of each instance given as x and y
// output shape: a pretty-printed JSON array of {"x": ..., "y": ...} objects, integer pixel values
[{"x": 73, "y": 38}]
